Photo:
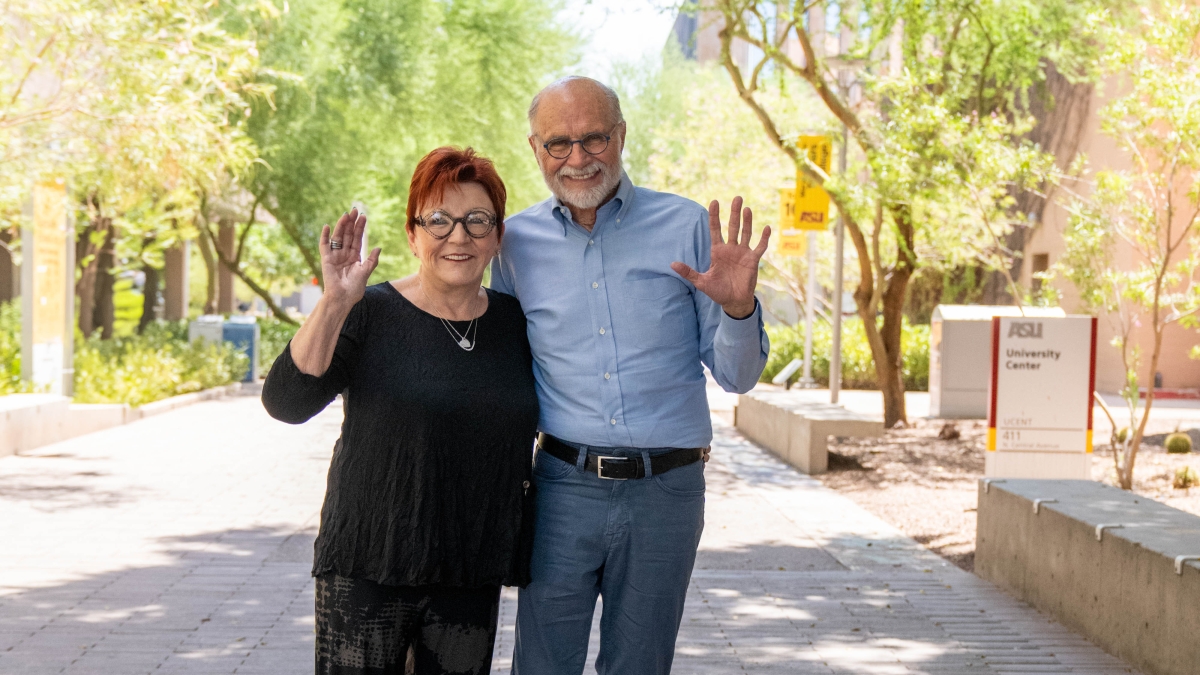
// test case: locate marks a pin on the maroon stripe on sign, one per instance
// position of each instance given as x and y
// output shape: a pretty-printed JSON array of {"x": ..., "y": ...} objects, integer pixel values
[
  {"x": 995, "y": 372},
  {"x": 1092, "y": 376}
]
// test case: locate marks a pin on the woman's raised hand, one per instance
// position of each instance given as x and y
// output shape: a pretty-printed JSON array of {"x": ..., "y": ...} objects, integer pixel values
[{"x": 345, "y": 270}]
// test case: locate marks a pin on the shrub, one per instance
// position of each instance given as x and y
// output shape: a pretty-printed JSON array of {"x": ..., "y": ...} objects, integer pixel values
[
  {"x": 1178, "y": 444},
  {"x": 144, "y": 368},
  {"x": 273, "y": 336},
  {"x": 10, "y": 349},
  {"x": 1185, "y": 477},
  {"x": 136, "y": 370},
  {"x": 858, "y": 369}
]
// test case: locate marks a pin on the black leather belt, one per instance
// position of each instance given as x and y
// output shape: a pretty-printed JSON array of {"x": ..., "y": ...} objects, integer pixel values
[{"x": 619, "y": 468}]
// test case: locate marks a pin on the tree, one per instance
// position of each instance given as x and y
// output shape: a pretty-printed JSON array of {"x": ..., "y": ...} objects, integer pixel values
[
  {"x": 932, "y": 100},
  {"x": 382, "y": 83},
  {"x": 1150, "y": 210},
  {"x": 139, "y": 104}
]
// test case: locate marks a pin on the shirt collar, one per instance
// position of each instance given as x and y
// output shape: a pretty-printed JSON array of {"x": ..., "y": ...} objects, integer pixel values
[{"x": 623, "y": 199}]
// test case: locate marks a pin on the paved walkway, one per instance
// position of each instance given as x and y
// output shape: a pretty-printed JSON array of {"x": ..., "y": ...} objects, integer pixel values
[{"x": 181, "y": 544}]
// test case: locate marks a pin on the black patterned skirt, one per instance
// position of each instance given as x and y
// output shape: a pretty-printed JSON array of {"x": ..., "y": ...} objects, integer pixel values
[{"x": 368, "y": 628}]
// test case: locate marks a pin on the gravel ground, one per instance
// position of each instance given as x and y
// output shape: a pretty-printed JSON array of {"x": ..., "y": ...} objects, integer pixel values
[{"x": 926, "y": 485}]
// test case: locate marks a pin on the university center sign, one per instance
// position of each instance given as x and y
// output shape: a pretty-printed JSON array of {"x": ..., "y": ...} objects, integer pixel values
[{"x": 1040, "y": 397}]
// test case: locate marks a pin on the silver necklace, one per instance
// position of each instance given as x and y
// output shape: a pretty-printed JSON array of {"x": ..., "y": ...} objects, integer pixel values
[{"x": 460, "y": 339}]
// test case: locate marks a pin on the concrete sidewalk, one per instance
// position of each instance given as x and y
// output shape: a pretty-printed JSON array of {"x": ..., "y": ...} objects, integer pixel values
[{"x": 181, "y": 544}]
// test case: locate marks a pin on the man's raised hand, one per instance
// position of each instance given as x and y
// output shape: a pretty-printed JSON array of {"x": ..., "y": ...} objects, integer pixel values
[
  {"x": 733, "y": 272},
  {"x": 346, "y": 271}
]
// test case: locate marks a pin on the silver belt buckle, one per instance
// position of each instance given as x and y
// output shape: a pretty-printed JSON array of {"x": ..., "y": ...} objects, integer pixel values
[{"x": 600, "y": 467}]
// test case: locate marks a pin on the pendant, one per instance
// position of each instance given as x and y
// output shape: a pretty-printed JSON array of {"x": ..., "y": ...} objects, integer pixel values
[{"x": 464, "y": 344}]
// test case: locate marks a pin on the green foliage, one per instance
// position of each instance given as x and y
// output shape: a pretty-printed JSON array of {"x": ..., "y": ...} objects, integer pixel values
[
  {"x": 1178, "y": 444},
  {"x": 127, "y": 307},
  {"x": 931, "y": 99},
  {"x": 10, "y": 349},
  {"x": 858, "y": 368},
  {"x": 273, "y": 337},
  {"x": 158, "y": 364},
  {"x": 134, "y": 369},
  {"x": 136, "y": 142},
  {"x": 382, "y": 84},
  {"x": 1131, "y": 244}
]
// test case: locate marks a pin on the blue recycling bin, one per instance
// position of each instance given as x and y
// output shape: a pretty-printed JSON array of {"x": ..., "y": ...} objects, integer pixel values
[{"x": 243, "y": 333}]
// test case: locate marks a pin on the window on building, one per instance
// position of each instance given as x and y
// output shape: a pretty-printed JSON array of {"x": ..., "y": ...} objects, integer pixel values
[{"x": 1041, "y": 263}]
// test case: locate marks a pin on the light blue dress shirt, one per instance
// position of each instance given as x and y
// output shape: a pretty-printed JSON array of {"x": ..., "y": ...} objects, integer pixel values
[{"x": 618, "y": 337}]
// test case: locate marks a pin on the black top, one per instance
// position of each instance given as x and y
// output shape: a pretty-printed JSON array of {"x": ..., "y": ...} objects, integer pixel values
[{"x": 426, "y": 481}]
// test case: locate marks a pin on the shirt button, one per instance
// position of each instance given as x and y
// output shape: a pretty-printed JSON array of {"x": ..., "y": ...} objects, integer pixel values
[
  {"x": 607, "y": 376},
  {"x": 613, "y": 421},
  {"x": 618, "y": 220},
  {"x": 591, "y": 242},
  {"x": 595, "y": 285},
  {"x": 602, "y": 331},
  {"x": 525, "y": 485}
]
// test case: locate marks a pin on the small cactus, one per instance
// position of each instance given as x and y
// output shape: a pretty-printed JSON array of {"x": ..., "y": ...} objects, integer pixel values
[
  {"x": 1179, "y": 444},
  {"x": 1185, "y": 477}
]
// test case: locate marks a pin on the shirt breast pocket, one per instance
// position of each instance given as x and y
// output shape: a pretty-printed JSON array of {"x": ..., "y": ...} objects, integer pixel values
[{"x": 659, "y": 312}]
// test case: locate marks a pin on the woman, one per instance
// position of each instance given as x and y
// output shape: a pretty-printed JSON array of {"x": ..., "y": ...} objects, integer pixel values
[{"x": 423, "y": 511}]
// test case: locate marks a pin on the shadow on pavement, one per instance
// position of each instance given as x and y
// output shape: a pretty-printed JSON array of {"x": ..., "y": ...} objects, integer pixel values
[{"x": 223, "y": 602}]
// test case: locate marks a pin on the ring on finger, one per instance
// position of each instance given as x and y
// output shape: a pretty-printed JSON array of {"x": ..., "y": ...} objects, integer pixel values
[{"x": 335, "y": 244}]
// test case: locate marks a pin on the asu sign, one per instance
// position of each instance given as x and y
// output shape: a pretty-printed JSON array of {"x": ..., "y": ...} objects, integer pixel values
[
  {"x": 804, "y": 208},
  {"x": 791, "y": 240},
  {"x": 1040, "y": 397},
  {"x": 812, "y": 201},
  {"x": 1025, "y": 329}
]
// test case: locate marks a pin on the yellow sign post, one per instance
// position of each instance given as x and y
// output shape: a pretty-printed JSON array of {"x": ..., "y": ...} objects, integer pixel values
[
  {"x": 792, "y": 241},
  {"x": 47, "y": 291},
  {"x": 812, "y": 202},
  {"x": 804, "y": 208}
]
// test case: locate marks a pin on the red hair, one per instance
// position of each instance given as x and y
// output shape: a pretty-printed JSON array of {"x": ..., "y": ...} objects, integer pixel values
[{"x": 446, "y": 166}]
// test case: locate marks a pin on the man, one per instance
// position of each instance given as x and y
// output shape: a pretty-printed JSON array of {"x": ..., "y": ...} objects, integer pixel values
[{"x": 620, "y": 321}]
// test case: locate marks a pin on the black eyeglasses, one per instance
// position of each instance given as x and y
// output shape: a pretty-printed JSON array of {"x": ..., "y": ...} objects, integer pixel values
[
  {"x": 439, "y": 224},
  {"x": 593, "y": 144}
]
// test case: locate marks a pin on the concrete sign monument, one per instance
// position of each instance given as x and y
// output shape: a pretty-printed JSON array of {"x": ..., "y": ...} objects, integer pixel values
[
  {"x": 48, "y": 291},
  {"x": 1040, "y": 397}
]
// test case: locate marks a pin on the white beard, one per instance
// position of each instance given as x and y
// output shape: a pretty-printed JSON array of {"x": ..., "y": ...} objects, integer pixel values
[{"x": 587, "y": 198}]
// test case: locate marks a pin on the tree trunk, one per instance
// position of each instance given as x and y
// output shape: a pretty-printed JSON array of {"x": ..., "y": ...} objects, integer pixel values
[
  {"x": 887, "y": 349},
  {"x": 1135, "y": 444},
  {"x": 210, "y": 271},
  {"x": 87, "y": 253},
  {"x": 891, "y": 377},
  {"x": 105, "y": 261},
  {"x": 149, "y": 297}
]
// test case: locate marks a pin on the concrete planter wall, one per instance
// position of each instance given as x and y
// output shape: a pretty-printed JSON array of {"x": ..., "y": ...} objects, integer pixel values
[
  {"x": 29, "y": 421},
  {"x": 1117, "y": 586}
]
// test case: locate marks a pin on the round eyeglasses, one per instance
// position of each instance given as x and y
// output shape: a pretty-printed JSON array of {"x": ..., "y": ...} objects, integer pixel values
[
  {"x": 440, "y": 224},
  {"x": 593, "y": 144}
]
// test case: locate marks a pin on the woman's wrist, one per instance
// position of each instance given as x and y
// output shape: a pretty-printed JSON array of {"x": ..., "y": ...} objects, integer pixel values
[{"x": 337, "y": 303}]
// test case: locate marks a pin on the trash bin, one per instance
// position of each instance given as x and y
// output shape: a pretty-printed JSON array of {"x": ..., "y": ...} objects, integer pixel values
[
  {"x": 208, "y": 327},
  {"x": 243, "y": 333}
]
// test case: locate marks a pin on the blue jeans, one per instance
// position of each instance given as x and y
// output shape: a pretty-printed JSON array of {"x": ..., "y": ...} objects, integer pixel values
[{"x": 633, "y": 542}]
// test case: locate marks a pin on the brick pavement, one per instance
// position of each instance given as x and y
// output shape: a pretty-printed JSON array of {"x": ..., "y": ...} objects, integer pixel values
[{"x": 181, "y": 544}]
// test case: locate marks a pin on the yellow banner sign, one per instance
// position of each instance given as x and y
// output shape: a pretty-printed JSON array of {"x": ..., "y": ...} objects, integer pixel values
[
  {"x": 48, "y": 258},
  {"x": 792, "y": 240},
  {"x": 812, "y": 202},
  {"x": 47, "y": 290}
]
